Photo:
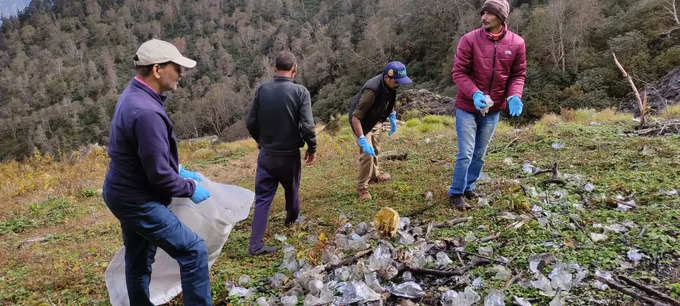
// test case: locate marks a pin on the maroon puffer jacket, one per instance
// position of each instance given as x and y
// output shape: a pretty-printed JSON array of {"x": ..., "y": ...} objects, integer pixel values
[{"x": 497, "y": 68}]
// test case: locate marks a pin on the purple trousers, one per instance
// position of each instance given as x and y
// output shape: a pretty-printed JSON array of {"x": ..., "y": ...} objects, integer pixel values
[{"x": 272, "y": 169}]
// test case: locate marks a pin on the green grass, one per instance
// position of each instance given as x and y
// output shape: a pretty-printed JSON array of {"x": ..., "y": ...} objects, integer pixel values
[{"x": 68, "y": 266}]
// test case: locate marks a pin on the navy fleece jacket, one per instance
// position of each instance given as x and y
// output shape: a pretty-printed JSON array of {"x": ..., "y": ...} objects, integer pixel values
[{"x": 143, "y": 150}]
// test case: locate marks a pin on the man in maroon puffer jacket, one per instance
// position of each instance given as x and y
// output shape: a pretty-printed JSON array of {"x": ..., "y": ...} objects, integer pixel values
[{"x": 489, "y": 69}]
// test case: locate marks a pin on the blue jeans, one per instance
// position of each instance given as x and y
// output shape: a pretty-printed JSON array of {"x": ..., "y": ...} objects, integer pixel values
[
  {"x": 147, "y": 226},
  {"x": 474, "y": 133}
]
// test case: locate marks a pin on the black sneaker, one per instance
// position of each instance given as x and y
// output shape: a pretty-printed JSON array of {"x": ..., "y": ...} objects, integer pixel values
[
  {"x": 458, "y": 202},
  {"x": 290, "y": 221},
  {"x": 470, "y": 194},
  {"x": 264, "y": 250}
]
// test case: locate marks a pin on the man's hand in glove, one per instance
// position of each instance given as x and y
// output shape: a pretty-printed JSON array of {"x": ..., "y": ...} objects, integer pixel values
[
  {"x": 365, "y": 146},
  {"x": 393, "y": 123}
]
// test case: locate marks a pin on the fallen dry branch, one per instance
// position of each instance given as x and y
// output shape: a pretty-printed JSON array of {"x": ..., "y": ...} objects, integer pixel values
[
  {"x": 649, "y": 290},
  {"x": 452, "y": 222},
  {"x": 349, "y": 260},
  {"x": 489, "y": 238},
  {"x": 512, "y": 280},
  {"x": 660, "y": 128},
  {"x": 640, "y": 101},
  {"x": 394, "y": 156},
  {"x": 628, "y": 291},
  {"x": 453, "y": 272}
]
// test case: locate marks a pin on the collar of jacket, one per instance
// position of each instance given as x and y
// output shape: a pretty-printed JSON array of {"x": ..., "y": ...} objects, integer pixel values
[
  {"x": 159, "y": 98},
  {"x": 496, "y": 37},
  {"x": 282, "y": 78}
]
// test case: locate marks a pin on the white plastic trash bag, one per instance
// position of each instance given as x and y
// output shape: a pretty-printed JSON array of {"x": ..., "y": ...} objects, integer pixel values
[{"x": 212, "y": 220}]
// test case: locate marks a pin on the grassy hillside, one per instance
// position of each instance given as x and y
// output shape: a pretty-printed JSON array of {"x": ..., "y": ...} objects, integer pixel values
[{"x": 57, "y": 235}]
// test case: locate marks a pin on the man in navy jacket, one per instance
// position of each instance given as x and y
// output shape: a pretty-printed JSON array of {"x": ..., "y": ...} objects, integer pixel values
[
  {"x": 144, "y": 174},
  {"x": 281, "y": 122}
]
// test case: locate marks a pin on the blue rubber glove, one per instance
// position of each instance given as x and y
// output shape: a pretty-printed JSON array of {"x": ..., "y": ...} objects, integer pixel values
[
  {"x": 478, "y": 98},
  {"x": 200, "y": 194},
  {"x": 393, "y": 123},
  {"x": 515, "y": 105},
  {"x": 189, "y": 174},
  {"x": 365, "y": 146}
]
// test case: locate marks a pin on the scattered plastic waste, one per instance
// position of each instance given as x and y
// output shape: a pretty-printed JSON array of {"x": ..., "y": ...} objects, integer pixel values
[
  {"x": 407, "y": 276},
  {"x": 615, "y": 228},
  {"x": 262, "y": 301},
  {"x": 495, "y": 298},
  {"x": 443, "y": 260},
  {"x": 409, "y": 290},
  {"x": 362, "y": 229},
  {"x": 357, "y": 292},
  {"x": 557, "y": 300},
  {"x": 489, "y": 104},
  {"x": 520, "y": 301},
  {"x": 244, "y": 280},
  {"x": 478, "y": 283},
  {"x": 290, "y": 262},
  {"x": 560, "y": 277},
  {"x": 557, "y": 146},
  {"x": 597, "y": 237},
  {"x": 343, "y": 273},
  {"x": 329, "y": 256},
  {"x": 404, "y": 223},
  {"x": 589, "y": 187},
  {"x": 485, "y": 251},
  {"x": 277, "y": 280},
  {"x": 289, "y": 300},
  {"x": 528, "y": 168},
  {"x": 466, "y": 298},
  {"x": 281, "y": 238},
  {"x": 502, "y": 273},
  {"x": 542, "y": 283},
  {"x": 634, "y": 255},
  {"x": 240, "y": 291},
  {"x": 406, "y": 238}
]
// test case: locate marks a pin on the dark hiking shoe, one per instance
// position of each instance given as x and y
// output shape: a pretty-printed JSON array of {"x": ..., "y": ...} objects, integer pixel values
[
  {"x": 471, "y": 194},
  {"x": 264, "y": 250},
  {"x": 290, "y": 221},
  {"x": 458, "y": 202}
]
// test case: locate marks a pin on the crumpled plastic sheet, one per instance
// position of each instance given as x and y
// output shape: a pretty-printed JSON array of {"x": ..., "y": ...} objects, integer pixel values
[
  {"x": 212, "y": 220},
  {"x": 289, "y": 262},
  {"x": 495, "y": 298},
  {"x": 409, "y": 290},
  {"x": 356, "y": 292},
  {"x": 443, "y": 260},
  {"x": 466, "y": 298}
]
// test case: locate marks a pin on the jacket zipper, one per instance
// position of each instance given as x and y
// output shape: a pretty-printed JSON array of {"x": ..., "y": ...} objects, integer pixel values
[{"x": 493, "y": 66}]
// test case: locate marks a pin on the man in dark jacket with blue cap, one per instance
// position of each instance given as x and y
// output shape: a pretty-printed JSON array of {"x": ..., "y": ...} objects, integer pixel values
[
  {"x": 372, "y": 104},
  {"x": 144, "y": 174}
]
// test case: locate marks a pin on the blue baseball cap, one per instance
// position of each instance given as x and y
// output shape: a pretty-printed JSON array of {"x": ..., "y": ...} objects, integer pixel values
[{"x": 397, "y": 70}]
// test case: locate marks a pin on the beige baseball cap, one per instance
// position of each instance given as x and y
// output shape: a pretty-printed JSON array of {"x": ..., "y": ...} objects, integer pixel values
[{"x": 156, "y": 51}]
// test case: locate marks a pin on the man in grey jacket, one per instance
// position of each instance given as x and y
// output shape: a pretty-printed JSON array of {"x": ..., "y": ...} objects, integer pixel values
[{"x": 281, "y": 122}]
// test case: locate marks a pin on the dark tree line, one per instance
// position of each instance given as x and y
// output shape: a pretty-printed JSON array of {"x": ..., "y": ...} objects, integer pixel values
[{"x": 64, "y": 63}]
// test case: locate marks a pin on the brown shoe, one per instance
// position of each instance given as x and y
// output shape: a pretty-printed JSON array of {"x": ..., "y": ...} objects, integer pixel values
[
  {"x": 382, "y": 177},
  {"x": 364, "y": 195},
  {"x": 458, "y": 202}
]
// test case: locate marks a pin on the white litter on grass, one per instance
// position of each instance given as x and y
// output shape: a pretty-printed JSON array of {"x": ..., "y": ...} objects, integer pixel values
[
  {"x": 466, "y": 298},
  {"x": 212, "y": 220},
  {"x": 495, "y": 298},
  {"x": 589, "y": 187},
  {"x": 597, "y": 237},
  {"x": 634, "y": 255},
  {"x": 528, "y": 168},
  {"x": 281, "y": 238},
  {"x": 557, "y": 146}
]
